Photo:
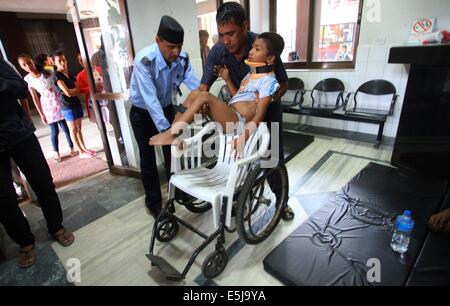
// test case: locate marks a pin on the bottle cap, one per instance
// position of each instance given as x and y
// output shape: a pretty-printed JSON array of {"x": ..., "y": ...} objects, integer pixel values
[
  {"x": 407, "y": 213},
  {"x": 405, "y": 222}
]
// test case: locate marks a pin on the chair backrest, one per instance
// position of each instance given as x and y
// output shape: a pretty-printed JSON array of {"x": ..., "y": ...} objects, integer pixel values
[
  {"x": 377, "y": 88},
  {"x": 377, "y": 95},
  {"x": 224, "y": 94},
  {"x": 295, "y": 84},
  {"x": 257, "y": 142},
  {"x": 293, "y": 92},
  {"x": 328, "y": 92},
  {"x": 330, "y": 85}
]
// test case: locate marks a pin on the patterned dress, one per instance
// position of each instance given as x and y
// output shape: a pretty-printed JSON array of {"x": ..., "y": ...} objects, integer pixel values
[{"x": 50, "y": 96}]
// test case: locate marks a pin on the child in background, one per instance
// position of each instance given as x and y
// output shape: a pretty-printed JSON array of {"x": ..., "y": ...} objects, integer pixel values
[
  {"x": 48, "y": 104},
  {"x": 71, "y": 106},
  {"x": 46, "y": 61}
]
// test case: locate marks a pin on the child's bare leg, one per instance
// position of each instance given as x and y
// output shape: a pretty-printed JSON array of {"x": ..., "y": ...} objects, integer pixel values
[
  {"x": 187, "y": 103},
  {"x": 191, "y": 98},
  {"x": 196, "y": 102},
  {"x": 218, "y": 110}
]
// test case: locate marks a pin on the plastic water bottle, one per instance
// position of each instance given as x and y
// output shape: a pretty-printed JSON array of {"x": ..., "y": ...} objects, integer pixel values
[{"x": 403, "y": 228}]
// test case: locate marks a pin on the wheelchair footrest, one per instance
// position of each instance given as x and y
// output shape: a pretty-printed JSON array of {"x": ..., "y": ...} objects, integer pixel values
[{"x": 166, "y": 268}]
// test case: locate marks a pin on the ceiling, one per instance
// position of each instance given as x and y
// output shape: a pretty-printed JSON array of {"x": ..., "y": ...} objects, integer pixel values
[{"x": 34, "y": 6}]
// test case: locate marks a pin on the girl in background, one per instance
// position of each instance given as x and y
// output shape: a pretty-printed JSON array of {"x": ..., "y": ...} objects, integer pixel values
[
  {"x": 48, "y": 104},
  {"x": 45, "y": 61},
  {"x": 71, "y": 105}
]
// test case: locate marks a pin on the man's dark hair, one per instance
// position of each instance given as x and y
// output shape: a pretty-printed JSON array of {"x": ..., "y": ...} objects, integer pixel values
[
  {"x": 274, "y": 42},
  {"x": 41, "y": 58},
  {"x": 58, "y": 53},
  {"x": 231, "y": 12}
]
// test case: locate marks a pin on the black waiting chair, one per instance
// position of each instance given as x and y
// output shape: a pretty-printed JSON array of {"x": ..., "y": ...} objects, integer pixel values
[
  {"x": 326, "y": 97},
  {"x": 293, "y": 95},
  {"x": 373, "y": 103}
]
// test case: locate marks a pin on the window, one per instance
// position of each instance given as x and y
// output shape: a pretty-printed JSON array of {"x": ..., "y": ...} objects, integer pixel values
[
  {"x": 206, "y": 19},
  {"x": 318, "y": 34},
  {"x": 105, "y": 32}
]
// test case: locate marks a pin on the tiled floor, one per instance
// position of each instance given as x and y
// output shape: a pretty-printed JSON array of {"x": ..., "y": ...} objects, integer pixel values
[{"x": 113, "y": 229}]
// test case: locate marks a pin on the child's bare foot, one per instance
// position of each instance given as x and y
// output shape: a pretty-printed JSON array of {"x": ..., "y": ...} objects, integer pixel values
[
  {"x": 163, "y": 139},
  {"x": 440, "y": 222}
]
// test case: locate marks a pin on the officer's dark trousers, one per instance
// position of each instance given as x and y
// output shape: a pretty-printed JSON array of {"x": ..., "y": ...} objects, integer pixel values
[
  {"x": 144, "y": 129},
  {"x": 31, "y": 161}
]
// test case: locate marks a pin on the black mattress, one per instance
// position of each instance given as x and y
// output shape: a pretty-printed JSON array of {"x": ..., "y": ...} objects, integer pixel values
[{"x": 334, "y": 245}]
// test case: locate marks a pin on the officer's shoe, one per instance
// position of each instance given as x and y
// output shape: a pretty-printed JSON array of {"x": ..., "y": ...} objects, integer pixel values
[{"x": 154, "y": 211}]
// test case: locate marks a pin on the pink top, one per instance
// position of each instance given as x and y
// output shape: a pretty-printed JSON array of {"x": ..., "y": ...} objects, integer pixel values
[{"x": 50, "y": 96}]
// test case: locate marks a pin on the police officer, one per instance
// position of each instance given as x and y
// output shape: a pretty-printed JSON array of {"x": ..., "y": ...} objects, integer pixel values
[{"x": 158, "y": 72}]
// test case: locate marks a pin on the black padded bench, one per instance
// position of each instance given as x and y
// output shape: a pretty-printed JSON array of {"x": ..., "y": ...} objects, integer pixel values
[
  {"x": 334, "y": 246},
  {"x": 432, "y": 267}
]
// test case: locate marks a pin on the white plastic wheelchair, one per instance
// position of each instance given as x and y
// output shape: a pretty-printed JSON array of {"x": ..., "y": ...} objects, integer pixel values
[{"x": 242, "y": 188}]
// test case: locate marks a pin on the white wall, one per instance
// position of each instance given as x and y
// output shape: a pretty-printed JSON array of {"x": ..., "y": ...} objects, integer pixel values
[
  {"x": 376, "y": 38},
  {"x": 145, "y": 16},
  {"x": 397, "y": 17}
]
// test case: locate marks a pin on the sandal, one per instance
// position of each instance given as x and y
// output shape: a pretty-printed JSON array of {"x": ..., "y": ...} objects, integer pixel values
[
  {"x": 73, "y": 153},
  {"x": 27, "y": 257},
  {"x": 64, "y": 237},
  {"x": 288, "y": 214}
]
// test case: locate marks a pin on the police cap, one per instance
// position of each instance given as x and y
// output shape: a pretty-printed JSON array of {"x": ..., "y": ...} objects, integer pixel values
[{"x": 170, "y": 30}]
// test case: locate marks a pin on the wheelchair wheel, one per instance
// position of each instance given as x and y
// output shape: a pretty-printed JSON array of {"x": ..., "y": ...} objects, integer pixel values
[
  {"x": 192, "y": 204},
  {"x": 215, "y": 263},
  {"x": 261, "y": 203},
  {"x": 166, "y": 230}
]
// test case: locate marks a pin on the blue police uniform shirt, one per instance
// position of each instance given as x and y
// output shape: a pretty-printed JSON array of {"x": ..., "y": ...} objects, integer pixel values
[
  {"x": 219, "y": 55},
  {"x": 154, "y": 85}
]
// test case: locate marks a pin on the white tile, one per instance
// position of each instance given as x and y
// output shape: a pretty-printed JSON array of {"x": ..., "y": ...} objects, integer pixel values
[
  {"x": 375, "y": 70},
  {"x": 363, "y": 54},
  {"x": 377, "y": 54},
  {"x": 360, "y": 69},
  {"x": 393, "y": 71}
]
